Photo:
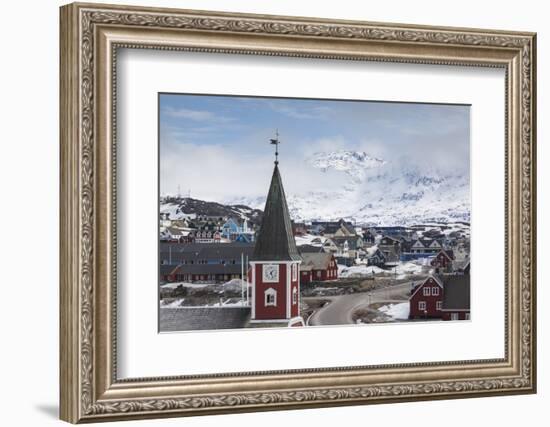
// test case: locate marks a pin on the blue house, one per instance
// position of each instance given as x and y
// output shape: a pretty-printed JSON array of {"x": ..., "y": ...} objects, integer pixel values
[
  {"x": 230, "y": 227},
  {"x": 237, "y": 231}
]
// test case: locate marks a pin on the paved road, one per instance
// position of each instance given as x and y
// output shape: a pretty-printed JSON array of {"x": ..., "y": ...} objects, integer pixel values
[{"x": 340, "y": 309}]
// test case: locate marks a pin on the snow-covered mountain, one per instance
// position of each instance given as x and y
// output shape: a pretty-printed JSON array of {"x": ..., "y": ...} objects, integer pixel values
[
  {"x": 183, "y": 207},
  {"x": 353, "y": 163},
  {"x": 379, "y": 192}
]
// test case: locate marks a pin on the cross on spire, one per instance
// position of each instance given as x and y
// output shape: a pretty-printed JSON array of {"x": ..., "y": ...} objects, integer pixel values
[{"x": 275, "y": 141}]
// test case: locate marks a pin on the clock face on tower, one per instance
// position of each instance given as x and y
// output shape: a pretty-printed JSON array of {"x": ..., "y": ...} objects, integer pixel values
[{"x": 270, "y": 273}]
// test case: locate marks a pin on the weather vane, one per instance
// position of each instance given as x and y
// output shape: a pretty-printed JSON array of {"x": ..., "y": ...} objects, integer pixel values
[{"x": 276, "y": 142}]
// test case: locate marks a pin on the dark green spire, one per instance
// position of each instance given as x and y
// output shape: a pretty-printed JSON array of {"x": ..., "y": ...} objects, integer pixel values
[{"x": 275, "y": 240}]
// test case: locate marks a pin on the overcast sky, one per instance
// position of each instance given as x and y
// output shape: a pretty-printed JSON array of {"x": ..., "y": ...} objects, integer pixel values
[{"x": 217, "y": 147}]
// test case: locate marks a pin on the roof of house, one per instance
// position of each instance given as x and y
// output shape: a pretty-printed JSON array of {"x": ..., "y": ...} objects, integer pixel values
[
  {"x": 457, "y": 292},
  {"x": 448, "y": 253},
  {"x": 463, "y": 265},
  {"x": 331, "y": 227},
  {"x": 310, "y": 249},
  {"x": 317, "y": 261},
  {"x": 373, "y": 250},
  {"x": 352, "y": 240},
  {"x": 435, "y": 277},
  {"x": 205, "y": 251},
  {"x": 275, "y": 240},
  {"x": 395, "y": 240},
  {"x": 224, "y": 251},
  {"x": 176, "y": 231},
  {"x": 208, "y": 269},
  {"x": 427, "y": 242},
  {"x": 195, "y": 247},
  {"x": 166, "y": 269}
]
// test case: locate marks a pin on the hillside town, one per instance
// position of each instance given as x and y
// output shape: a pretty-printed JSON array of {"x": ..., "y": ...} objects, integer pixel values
[{"x": 227, "y": 270}]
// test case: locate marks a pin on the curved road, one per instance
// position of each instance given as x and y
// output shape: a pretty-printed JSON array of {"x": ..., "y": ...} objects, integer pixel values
[{"x": 340, "y": 309}]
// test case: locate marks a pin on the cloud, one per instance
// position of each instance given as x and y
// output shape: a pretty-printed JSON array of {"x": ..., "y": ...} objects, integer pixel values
[
  {"x": 221, "y": 173},
  {"x": 195, "y": 115},
  {"x": 307, "y": 113},
  {"x": 221, "y": 151}
]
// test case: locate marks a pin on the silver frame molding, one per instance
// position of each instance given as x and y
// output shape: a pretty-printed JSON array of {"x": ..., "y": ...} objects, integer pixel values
[{"x": 90, "y": 37}]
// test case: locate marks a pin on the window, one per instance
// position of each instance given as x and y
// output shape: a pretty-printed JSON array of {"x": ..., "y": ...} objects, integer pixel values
[
  {"x": 426, "y": 292},
  {"x": 422, "y": 305},
  {"x": 294, "y": 296},
  {"x": 454, "y": 316},
  {"x": 435, "y": 291},
  {"x": 318, "y": 274},
  {"x": 439, "y": 305},
  {"x": 467, "y": 316},
  {"x": 270, "y": 297},
  {"x": 294, "y": 272}
]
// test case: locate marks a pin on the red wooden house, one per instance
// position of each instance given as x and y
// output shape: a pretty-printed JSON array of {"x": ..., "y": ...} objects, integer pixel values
[
  {"x": 443, "y": 261},
  {"x": 426, "y": 300},
  {"x": 167, "y": 272},
  {"x": 444, "y": 297},
  {"x": 318, "y": 267}
]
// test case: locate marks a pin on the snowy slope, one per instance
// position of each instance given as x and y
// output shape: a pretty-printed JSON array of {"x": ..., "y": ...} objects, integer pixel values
[
  {"x": 379, "y": 192},
  {"x": 374, "y": 192},
  {"x": 353, "y": 163}
]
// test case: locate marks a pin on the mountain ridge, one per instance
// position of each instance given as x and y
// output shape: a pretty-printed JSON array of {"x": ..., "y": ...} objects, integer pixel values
[{"x": 375, "y": 192}]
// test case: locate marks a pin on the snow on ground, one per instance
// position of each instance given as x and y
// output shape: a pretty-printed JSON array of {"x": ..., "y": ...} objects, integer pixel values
[
  {"x": 173, "y": 304},
  {"x": 396, "y": 311},
  {"x": 358, "y": 271},
  {"x": 174, "y": 285},
  {"x": 307, "y": 239},
  {"x": 235, "y": 284},
  {"x": 173, "y": 211},
  {"x": 227, "y": 303},
  {"x": 408, "y": 268},
  {"x": 400, "y": 271},
  {"x": 238, "y": 303}
]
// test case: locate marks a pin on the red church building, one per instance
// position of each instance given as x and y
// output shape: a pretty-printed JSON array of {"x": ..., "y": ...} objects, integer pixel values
[{"x": 275, "y": 263}]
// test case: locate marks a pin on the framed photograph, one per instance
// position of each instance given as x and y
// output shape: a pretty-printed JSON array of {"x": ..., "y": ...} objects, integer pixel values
[{"x": 267, "y": 212}]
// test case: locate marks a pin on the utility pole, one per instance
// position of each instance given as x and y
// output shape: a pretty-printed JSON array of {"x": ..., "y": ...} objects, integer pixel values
[
  {"x": 246, "y": 269},
  {"x": 242, "y": 278}
]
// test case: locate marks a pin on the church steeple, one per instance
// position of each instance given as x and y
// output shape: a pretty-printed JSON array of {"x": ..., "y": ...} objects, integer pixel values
[
  {"x": 275, "y": 263},
  {"x": 275, "y": 241}
]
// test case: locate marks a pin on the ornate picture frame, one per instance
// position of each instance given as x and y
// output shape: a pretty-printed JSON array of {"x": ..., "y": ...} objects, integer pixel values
[{"x": 90, "y": 37}]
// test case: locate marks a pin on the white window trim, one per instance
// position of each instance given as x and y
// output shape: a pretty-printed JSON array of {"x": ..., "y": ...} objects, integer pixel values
[
  {"x": 435, "y": 291},
  {"x": 454, "y": 316},
  {"x": 294, "y": 272},
  {"x": 294, "y": 296},
  {"x": 439, "y": 305},
  {"x": 427, "y": 291},
  {"x": 267, "y": 293},
  {"x": 422, "y": 305}
]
